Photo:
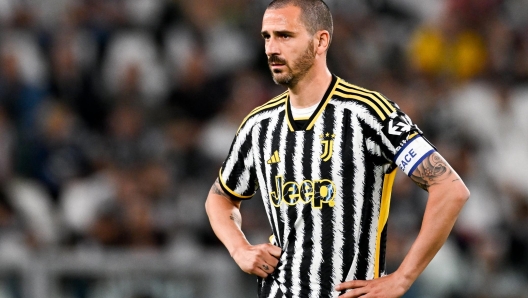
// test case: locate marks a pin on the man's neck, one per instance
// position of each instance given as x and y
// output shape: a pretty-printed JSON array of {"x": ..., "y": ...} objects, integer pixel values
[{"x": 310, "y": 90}]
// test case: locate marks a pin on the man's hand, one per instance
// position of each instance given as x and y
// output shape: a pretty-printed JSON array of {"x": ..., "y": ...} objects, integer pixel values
[
  {"x": 260, "y": 260},
  {"x": 388, "y": 286}
]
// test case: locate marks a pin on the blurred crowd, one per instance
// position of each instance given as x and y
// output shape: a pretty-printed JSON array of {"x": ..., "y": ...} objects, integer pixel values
[{"x": 115, "y": 116}]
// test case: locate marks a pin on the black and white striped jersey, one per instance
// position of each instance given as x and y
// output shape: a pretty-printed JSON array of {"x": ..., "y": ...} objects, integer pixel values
[{"x": 326, "y": 184}]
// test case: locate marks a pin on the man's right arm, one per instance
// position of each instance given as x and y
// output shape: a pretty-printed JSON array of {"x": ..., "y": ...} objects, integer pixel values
[{"x": 226, "y": 221}]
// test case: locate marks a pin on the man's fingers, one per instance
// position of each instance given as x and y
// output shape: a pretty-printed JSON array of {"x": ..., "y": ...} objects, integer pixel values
[
  {"x": 274, "y": 250},
  {"x": 259, "y": 272},
  {"x": 352, "y": 284},
  {"x": 271, "y": 255},
  {"x": 268, "y": 268},
  {"x": 270, "y": 260},
  {"x": 357, "y": 288},
  {"x": 260, "y": 260},
  {"x": 359, "y": 292}
]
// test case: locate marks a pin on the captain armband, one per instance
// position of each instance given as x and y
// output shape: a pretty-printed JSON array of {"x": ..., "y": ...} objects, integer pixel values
[{"x": 413, "y": 153}]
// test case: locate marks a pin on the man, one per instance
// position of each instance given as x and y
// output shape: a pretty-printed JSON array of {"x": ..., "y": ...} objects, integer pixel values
[{"x": 324, "y": 155}]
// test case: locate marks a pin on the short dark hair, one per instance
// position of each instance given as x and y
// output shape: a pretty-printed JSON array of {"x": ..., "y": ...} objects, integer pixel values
[{"x": 315, "y": 14}]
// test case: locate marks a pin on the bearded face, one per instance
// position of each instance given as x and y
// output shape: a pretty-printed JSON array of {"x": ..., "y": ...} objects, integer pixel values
[{"x": 289, "y": 72}]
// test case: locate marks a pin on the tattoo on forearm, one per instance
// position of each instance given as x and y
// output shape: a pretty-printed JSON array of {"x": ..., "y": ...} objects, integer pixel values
[
  {"x": 217, "y": 189},
  {"x": 432, "y": 170},
  {"x": 236, "y": 218}
]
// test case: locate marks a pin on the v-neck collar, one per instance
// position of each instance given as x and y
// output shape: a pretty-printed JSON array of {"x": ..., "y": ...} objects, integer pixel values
[{"x": 322, "y": 104}]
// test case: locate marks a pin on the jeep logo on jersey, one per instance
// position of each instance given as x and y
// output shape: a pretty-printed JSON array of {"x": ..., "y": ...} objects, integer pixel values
[
  {"x": 328, "y": 145},
  {"x": 318, "y": 192}
]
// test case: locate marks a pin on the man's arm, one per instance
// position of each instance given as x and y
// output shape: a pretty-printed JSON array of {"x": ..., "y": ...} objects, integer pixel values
[
  {"x": 226, "y": 221},
  {"x": 447, "y": 195}
]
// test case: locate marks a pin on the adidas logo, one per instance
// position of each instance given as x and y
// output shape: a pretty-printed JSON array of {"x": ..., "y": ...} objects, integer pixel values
[{"x": 274, "y": 158}]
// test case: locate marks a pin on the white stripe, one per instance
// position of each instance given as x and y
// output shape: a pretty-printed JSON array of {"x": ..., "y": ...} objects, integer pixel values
[
  {"x": 243, "y": 181},
  {"x": 281, "y": 169},
  {"x": 373, "y": 147},
  {"x": 260, "y": 175},
  {"x": 316, "y": 213},
  {"x": 364, "y": 114},
  {"x": 338, "y": 215},
  {"x": 268, "y": 150},
  {"x": 239, "y": 140},
  {"x": 373, "y": 229},
  {"x": 359, "y": 189},
  {"x": 298, "y": 157},
  {"x": 274, "y": 289}
]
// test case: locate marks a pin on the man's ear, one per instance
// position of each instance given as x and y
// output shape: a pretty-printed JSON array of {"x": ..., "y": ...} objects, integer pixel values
[{"x": 322, "y": 41}]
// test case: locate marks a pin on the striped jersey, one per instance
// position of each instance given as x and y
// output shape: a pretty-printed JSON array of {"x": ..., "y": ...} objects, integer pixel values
[{"x": 326, "y": 184}]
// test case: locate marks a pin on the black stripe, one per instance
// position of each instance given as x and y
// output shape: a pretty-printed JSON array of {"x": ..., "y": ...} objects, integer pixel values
[
  {"x": 366, "y": 222},
  {"x": 349, "y": 173},
  {"x": 383, "y": 249},
  {"x": 291, "y": 143},
  {"x": 307, "y": 253},
  {"x": 327, "y": 240},
  {"x": 262, "y": 137},
  {"x": 367, "y": 211}
]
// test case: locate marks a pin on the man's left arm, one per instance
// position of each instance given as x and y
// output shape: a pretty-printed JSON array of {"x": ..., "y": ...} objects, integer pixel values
[{"x": 447, "y": 195}]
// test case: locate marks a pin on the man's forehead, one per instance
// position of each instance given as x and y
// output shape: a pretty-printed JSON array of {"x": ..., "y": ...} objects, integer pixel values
[{"x": 284, "y": 17}]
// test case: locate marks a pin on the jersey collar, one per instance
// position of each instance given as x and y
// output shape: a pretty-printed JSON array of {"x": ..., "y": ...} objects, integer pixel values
[{"x": 320, "y": 108}]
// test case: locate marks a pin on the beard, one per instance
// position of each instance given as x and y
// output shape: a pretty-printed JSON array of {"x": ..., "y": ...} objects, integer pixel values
[{"x": 294, "y": 73}]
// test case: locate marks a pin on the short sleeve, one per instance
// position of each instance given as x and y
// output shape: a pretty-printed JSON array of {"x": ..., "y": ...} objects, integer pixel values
[
  {"x": 407, "y": 147},
  {"x": 238, "y": 176}
]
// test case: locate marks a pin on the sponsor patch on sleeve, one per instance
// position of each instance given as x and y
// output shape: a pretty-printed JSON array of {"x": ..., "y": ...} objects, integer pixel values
[{"x": 413, "y": 153}]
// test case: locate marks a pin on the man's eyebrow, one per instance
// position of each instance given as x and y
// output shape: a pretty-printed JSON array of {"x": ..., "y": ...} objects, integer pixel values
[{"x": 278, "y": 32}]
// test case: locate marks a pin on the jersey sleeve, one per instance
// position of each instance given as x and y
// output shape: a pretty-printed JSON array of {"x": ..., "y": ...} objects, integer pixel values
[
  {"x": 407, "y": 147},
  {"x": 238, "y": 176}
]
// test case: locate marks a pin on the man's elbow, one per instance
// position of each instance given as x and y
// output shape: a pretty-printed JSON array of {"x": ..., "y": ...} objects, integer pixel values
[
  {"x": 208, "y": 204},
  {"x": 462, "y": 193}
]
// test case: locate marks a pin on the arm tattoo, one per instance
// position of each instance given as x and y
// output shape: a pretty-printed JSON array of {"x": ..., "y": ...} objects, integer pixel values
[
  {"x": 217, "y": 189},
  {"x": 236, "y": 218},
  {"x": 432, "y": 170}
]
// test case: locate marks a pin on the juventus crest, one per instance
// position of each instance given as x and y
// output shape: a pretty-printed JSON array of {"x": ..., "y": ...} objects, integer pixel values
[{"x": 327, "y": 139}]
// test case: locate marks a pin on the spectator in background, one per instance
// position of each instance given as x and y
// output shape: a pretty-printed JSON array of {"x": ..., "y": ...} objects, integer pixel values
[
  {"x": 246, "y": 92},
  {"x": 21, "y": 92},
  {"x": 133, "y": 72},
  {"x": 62, "y": 148},
  {"x": 131, "y": 138},
  {"x": 72, "y": 80},
  {"x": 454, "y": 47}
]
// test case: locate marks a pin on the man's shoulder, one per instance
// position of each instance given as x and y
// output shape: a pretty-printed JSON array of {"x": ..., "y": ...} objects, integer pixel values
[
  {"x": 350, "y": 94},
  {"x": 272, "y": 103},
  {"x": 266, "y": 110}
]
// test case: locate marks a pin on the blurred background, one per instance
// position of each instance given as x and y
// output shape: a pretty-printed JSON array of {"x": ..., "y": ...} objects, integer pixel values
[{"x": 115, "y": 116}]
